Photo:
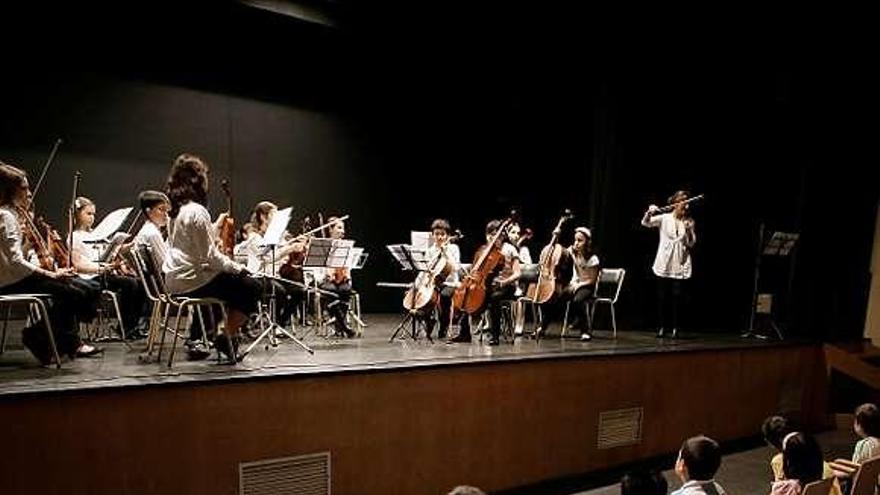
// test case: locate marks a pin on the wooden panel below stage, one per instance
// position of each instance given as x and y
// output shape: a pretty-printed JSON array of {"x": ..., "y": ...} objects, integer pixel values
[{"x": 494, "y": 425}]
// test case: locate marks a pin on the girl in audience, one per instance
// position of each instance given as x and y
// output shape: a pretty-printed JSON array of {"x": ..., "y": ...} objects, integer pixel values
[{"x": 802, "y": 464}]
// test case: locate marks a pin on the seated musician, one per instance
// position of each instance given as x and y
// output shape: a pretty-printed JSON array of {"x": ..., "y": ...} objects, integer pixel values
[
  {"x": 195, "y": 267},
  {"x": 501, "y": 286},
  {"x": 516, "y": 237},
  {"x": 337, "y": 281},
  {"x": 440, "y": 232},
  {"x": 288, "y": 295},
  {"x": 584, "y": 275},
  {"x": 106, "y": 276},
  {"x": 70, "y": 301},
  {"x": 155, "y": 206}
]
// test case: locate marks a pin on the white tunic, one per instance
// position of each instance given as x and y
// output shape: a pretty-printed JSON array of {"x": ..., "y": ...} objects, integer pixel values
[
  {"x": 673, "y": 258},
  {"x": 193, "y": 258},
  {"x": 149, "y": 235},
  {"x": 14, "y": 266}
]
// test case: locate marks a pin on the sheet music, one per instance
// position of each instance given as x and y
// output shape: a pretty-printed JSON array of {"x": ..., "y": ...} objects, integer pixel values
[
  {"x": 109, "y": 225},
  {"x": 354, "y": 256},
  {"x": 339, "y": 253},
  {"x": 419, "y": 240},
  {"x": 409, "y": 259},
  {"x": 276, "y": 227}
]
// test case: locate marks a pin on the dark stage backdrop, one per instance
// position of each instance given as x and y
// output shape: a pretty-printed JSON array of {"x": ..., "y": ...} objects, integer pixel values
[{"x": 399, "y": 117}]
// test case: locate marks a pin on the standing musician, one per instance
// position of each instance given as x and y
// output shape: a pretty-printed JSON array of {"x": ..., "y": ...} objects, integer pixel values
[
  {"x": 288, "y": 295},
  {"x": 672, "y": 265},
  {"x": 70, "y": 301},
  {"x": 585, "y": 273},
  {"x": 501, "y": 285},
  {"x": 440, "y": 232},
  {"x": 132, "y": 300},
  {"x": 338, "y": 281},
  {"x": 195, "y": 267}
]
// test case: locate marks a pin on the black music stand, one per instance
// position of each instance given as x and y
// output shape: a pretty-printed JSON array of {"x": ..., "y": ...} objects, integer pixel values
[
  {"x": 409, "y": 259},
  {"x": 326, "y": 253},
  {"x": 780, "y": 244},
  {"x": 266, "y": 313}
]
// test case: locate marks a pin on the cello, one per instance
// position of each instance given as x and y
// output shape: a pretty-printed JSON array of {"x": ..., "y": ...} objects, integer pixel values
[
  {"x": 227, "y": 227},
  {"x": 470, "y": 296},
  {"x": 543, "y": 289},
  {"x": 423, "y": 296}
]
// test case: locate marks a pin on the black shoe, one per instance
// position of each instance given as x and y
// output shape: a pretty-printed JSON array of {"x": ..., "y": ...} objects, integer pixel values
[
  {"x": 494, "y": 341},
  {"x": 660, "y": 333},
  {"x": 461, "y": 339},
  {"x": 224, "y": 345},
  {"x": 674, "y": 333},
  {"x": 196, "y": 351}
]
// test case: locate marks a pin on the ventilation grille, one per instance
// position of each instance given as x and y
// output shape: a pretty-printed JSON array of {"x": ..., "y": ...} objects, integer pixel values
[
  {"x": 301, "y": 475},
  {"x": 620, "y": 427}
]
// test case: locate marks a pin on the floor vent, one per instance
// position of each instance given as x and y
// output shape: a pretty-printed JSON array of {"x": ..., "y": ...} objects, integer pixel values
[
  {"x": 301, "y": 475},
  {"x": 620, "y": 427}
]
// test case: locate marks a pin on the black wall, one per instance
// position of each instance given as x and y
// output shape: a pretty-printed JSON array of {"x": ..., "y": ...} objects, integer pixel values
[{"x": 400, "y": 115}]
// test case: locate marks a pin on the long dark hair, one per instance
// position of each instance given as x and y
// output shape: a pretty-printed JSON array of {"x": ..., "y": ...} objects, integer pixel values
[
  {"x": 802, "y": 458},
  {"x": 187, "y": 181},
  {"x": 11, "y": 178}
]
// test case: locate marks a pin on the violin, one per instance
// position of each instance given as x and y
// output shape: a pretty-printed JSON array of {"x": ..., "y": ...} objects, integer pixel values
[
  {"x": 56, "y": 247},
  {"x": 545, "y": 287},
  {"x": 37, "y": 242},
  {"x": 293, "y": 267},
  {"x": 423, "y": 296},
  {"x": 470, "y": 296},
  {"x": 227, "y": 228}
]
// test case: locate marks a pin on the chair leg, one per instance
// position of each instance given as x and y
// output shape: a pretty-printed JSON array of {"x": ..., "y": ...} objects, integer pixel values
[
  {"x": 48, "y": 324},
  {"x": 184, "y": 305},
  {"x": 565, "y": 321},
  {"x": 613, "y": 321},
  {"x": 115, "y": 301},
  {"x": 5, "y": 325}
]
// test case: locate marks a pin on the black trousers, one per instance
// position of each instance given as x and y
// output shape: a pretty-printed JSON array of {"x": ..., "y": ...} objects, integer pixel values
[
  {"x": 580, "y": 304},
  {"x": 131, "y": 296},
  {"x": 72, "y": 301},
  {"x": 445, "y": 315},
  {"x": 669, "y": 300},
  {"x": 239, "y": 291},
  {"x": 343, "y": 295}
]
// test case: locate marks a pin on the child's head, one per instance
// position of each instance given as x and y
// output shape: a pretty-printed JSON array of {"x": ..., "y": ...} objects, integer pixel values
[
  {"x": 643, "y": 483},
  {"x": 698, "y": 459},
  {"x": 84, "y": 213},
  {"x": 867, "y": 421},
  {"x": 155, "y": 206},
  {"x": 802, "y": 458},
  {"x": 774, "y": 430}
]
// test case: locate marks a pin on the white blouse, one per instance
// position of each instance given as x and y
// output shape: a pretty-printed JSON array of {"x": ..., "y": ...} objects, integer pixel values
[
  {"x": 14, "y": 266},
  {"x": 673, "y": 258},
  {"x": 149, "y": 235},
  {"x": 193, "y": 257}
]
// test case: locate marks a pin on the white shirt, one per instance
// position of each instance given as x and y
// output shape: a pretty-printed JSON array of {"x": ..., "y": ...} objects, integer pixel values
[
  {"x": 673, "y": 258},
  {"x": 510, "y": 253},
  {"x": 581, "y": 267},
  {"x": 193, "y": 258},
  {"x": 14, "y": 266},
  {"x": 524, "y": 255},
  {"x": 88, "y": 254},
  {"x": 149, "y": 235},
  {"x": 694, "y": 487},
  {"x": 453, "y": 255}
]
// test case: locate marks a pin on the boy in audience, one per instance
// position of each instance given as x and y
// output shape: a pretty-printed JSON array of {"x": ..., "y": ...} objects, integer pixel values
[
  {"x": 698, "y": 461},
  {"x": 643, "y": 483},
  {"x": 867, "y": 427}
]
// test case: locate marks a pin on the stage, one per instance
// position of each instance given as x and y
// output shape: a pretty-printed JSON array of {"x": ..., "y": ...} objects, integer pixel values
[{"x": 395, "y": 417}]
